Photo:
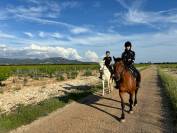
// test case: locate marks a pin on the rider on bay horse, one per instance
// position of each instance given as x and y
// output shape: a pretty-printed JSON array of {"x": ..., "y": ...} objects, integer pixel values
[{"x": 128, "y": 57}]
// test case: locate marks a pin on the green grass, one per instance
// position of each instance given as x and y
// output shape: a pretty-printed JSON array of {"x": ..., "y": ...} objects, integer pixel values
[
  {"x": 36, "y": 71},
  {"x": 87, "y": 72},
  {"x": 170, "y": 84},
  {"x": 26, "y": 114},
  {"x": 60, "y": 78},
  {"x": 142, "y": 66},
  {"x": 171, "y": 66}
]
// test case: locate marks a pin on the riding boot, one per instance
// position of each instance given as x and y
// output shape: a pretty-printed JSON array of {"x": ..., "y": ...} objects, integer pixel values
[{"x": 133, "y": 70}]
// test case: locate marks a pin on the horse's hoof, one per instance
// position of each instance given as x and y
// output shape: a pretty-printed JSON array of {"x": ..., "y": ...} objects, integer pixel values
[
  {"x": 135, "y": 105},
  {"x": 131, "y": 112},
  {"x": 122, "y": 120}
]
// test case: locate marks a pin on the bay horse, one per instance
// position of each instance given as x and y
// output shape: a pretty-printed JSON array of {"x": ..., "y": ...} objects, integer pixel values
[
  {"x": 106, "y": 76},
  {"x": 127, "y": 83}
]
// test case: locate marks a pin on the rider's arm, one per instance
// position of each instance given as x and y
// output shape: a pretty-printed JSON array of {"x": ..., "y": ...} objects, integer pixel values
[
  {"x": 104, "y": 58},
  {"x": 124, "y": 57},
  {"x": 132, "y": 57},
  {"x": 110, "y": 60}
]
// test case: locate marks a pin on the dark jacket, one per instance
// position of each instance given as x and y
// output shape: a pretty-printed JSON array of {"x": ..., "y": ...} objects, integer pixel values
[
  {"x": 128, "y": 56},
  {"x": 107, "y": 61}
]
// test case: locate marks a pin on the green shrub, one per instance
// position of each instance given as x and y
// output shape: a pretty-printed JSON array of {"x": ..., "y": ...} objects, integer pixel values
[
  {"x": 170, "y": 84},
  {"x": 87, "y": 72},
  {"x": 36, "y": 71},
  {"x": 60, "y": 78}
]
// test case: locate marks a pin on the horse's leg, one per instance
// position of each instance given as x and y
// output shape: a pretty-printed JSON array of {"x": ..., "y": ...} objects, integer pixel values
[
  {"x": 131, "y": 103},
  {"x": 108, "y": 86},
  {"x": 111, "y": 83},
  {"x": 123, "y": 106},
  {"x": 103, "y": 87},
  {"x": 135, "y": 101}
]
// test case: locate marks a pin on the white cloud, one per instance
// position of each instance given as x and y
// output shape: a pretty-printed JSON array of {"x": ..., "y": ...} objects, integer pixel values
[
  {"x": 70, "y": 4},
  {"x": 34, "y": 1},
  {"x": 122, "y": 2},
  {"x": 37, "y": 51},
  {"x": 49, "y": 51},
  {"x": 78, "y": 30},
  {"x": 41, "y": 34},
  {"x": 98, "y": 39},
  {"x": 136, "y": 15},
  {"x": 56, "y": 35},
  {"x": 41, "y": 12},
  {"x": 29, "y": 34},
  {"x": 2, "y": 46},
  {"x": 5, "y": 35},
  {"x": 91, "y": 56},
  {"x": 142, "y": 17},
  {"x": 72, "y": 28},
  {"x": 37, "y": 10}
]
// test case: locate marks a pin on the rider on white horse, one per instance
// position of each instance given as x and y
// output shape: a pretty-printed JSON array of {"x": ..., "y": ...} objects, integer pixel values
[
  {"x": 107, "y": 61},
  {"x": 106, "y": 71}
]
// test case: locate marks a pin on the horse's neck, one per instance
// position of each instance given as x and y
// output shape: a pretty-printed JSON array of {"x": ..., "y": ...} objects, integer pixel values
[
  {"x": 106, "y": 71},
  {"x": 124, "y": 72}
]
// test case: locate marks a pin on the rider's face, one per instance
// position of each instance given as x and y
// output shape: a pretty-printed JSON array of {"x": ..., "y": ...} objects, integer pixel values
[
  {"x": 107, "y": 54},
  {"x": 128, "y": 48}
]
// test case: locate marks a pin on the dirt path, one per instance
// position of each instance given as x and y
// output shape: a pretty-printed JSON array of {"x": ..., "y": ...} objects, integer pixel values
[{"x": 96, "y": 114}]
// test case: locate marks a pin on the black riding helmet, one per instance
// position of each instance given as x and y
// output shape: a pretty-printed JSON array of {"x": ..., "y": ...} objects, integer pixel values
[
  {"x": 107, "y": 52},
  {"x": 128, "y": 44}
]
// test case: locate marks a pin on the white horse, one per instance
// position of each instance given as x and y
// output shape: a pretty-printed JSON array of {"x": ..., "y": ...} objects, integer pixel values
[{"x": 106, "y": 76}]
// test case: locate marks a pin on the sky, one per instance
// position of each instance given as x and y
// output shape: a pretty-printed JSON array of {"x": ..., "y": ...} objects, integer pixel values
[{"x": 85, "y": 29}]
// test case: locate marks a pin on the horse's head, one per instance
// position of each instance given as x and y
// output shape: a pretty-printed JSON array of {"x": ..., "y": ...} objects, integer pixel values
[
  {"x": 118, "y": 68},
  {"x": 117, "y": 59}
]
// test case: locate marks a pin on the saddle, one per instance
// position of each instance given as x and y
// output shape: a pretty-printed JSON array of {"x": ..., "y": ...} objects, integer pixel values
[{"x": 134, "y": 72}]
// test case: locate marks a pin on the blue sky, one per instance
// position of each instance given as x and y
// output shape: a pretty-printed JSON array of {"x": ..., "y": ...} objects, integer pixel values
[{"x": 85, "y": 29}]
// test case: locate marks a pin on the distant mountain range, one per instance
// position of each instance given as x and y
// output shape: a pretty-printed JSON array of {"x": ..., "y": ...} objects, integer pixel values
[{"x": 55, "y": 60}]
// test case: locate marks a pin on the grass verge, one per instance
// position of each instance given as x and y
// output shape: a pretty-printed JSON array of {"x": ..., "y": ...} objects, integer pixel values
[
  {"x": 26, "y": 114},
  {"x": 170, "y": 85},
  {"x": 144, "y": 67}
]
